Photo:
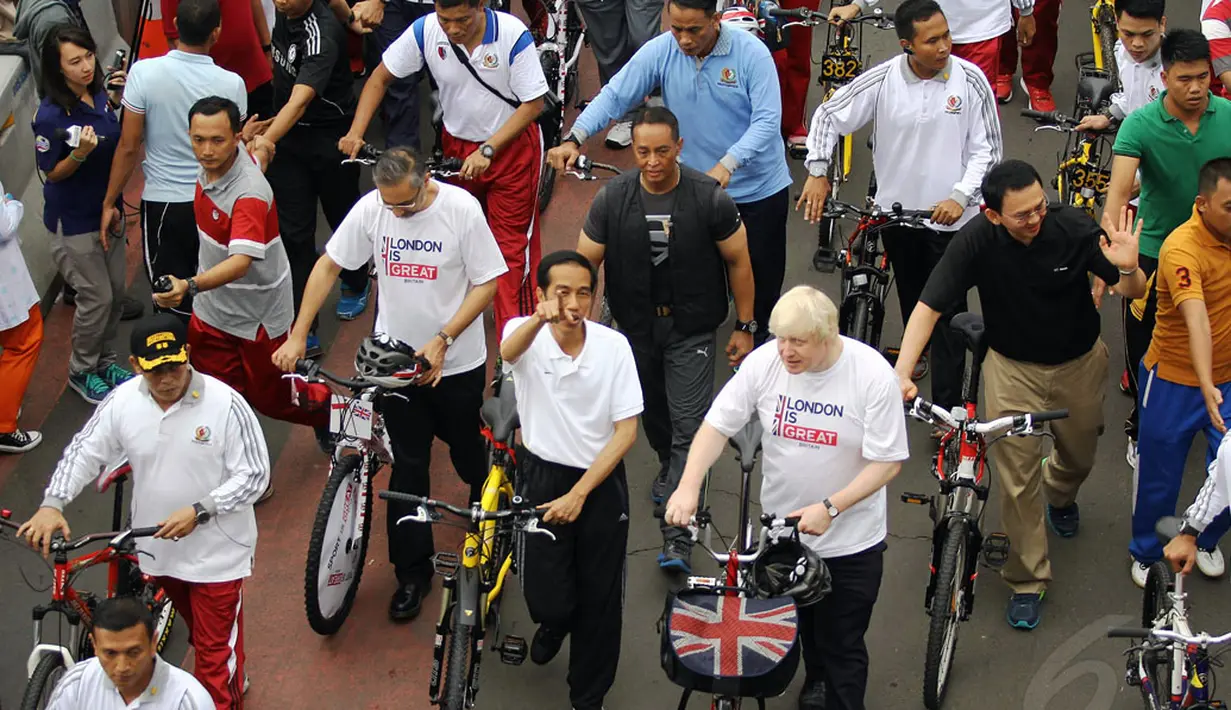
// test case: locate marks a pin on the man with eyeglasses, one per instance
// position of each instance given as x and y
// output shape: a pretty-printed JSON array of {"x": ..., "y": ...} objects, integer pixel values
[
  {"x": 1031, "y": 264},
  {"x": 436, "y": 267}
]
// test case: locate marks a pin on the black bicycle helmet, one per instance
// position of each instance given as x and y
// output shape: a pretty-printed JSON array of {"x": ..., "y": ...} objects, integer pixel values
[
  {"x": 386, "y": 362},
  {"x": 790, "y": 568}
]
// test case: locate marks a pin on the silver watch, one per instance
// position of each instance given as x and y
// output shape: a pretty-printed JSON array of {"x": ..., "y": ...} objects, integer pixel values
[{"x": 833, "y": 509}]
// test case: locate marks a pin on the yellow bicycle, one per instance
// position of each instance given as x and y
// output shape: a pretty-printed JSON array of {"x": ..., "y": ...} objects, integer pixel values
[
  {"x": 1103, "y": 34},
  {"x": 473, "y": 583}
]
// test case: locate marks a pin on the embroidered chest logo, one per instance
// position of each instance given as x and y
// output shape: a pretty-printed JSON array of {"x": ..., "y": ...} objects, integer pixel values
[
  {"x": 402, "y": 257},
  {"x": 214, "y": 215},
  {"x": 202, "y": 435},
  {"x": 953, "y": 105},
  {"x": 490, "y": 61},
  {"x": 41, "y": 144},
  {"x": 793, "y": 415},
  {"x": 727, "y": 76},
  {"x": 290, "y": 54},
  {"x": 1153, "y": 93}
]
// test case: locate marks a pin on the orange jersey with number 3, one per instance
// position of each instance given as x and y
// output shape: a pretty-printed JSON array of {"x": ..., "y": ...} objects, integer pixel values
[{"x": 1192, "y": 264}]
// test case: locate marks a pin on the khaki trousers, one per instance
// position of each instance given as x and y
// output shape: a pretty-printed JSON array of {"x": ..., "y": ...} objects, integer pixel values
[{"x": 1014, "y": 387}]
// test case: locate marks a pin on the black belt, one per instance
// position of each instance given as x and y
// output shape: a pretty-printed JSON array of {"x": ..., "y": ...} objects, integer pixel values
[{"x": 662, "y": 311}]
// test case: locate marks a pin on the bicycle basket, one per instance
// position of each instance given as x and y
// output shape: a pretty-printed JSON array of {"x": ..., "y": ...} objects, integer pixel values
[{"x": 729, "y": 645}]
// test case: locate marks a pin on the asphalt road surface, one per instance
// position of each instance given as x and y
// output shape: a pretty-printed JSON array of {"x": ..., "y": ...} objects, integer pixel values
[{"x": 1064, "y": 664}]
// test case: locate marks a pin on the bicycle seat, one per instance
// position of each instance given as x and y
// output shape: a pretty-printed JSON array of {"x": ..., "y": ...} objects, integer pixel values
[
  {"x": 1168, "y": 527},
  {"x": 500, "y": 413},
  {"x": 747, "y": 441},
  {"x": 970, "y": 325},
  {"x": 119, "y": 473},
  {"x": 1096, "y": 89}
]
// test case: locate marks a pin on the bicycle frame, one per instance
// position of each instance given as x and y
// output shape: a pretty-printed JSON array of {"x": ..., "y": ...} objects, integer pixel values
[
  {"x": 865, "y": 278},
  {"x": 1190, "y": 664},
  {"x": 842, "y": 63}
]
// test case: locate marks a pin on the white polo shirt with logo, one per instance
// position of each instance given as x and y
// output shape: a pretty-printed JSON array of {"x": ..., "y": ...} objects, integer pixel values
[
  {"x": 207, "y": 448},
  {"x": 425, "y": 265},
  {"x": 821, "y": 430},
  {"x": 568, "y": 407},
  {"x": 506, "y": 59},
  {"x": 86, "y": 686}
]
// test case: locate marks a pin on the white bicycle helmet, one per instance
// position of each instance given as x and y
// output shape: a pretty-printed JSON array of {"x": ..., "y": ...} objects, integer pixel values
[
  {"x": 386, "y": 362},
  {"x": 739, "y": 17}
]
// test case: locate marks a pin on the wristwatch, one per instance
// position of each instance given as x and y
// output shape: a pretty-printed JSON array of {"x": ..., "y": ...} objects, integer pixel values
[
  {"x": 487, "y": 151},
  {"x": 1188, "y": 529},
  {"x": 833, "y": 509},
  {"x": 445, "y": 337},
  {"x": 193, "y": 289},
  {"x": 203, "y": 515},
  {"x": 570, "y": 138},
  {"x": 746, "y": 326}
]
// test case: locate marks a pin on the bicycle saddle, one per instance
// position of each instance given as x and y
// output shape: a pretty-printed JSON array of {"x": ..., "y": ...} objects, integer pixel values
[
  {"x": 1168, "y": 527},
  {"x": 747, "y": 441},
  {"x": 970, "y": 325},
  {"x": 1095, "y": 89},
  {"x": 500, "y": 413}
]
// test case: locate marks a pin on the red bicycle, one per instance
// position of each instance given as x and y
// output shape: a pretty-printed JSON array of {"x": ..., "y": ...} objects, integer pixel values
[{"x": 48, "y": 662}]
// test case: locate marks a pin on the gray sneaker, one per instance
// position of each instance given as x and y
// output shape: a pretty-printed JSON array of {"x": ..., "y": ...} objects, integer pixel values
[{"x": 620, "y": 136}]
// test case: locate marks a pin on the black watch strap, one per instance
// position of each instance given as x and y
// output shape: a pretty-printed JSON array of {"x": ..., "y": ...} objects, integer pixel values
[
  {"x": 570, "y": 138},
  {"x": 203, "y": 515},
  {"x": 1188, "y": 529}
]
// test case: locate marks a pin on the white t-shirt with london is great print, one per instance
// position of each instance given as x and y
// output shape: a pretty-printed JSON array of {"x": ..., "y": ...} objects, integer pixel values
[
  {"x": 425, "y": 265},
  {"x": 821, "y": 430}
]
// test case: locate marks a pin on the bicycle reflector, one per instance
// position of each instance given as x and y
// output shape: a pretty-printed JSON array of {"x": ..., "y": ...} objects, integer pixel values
[{"x": 6, "y": 513}]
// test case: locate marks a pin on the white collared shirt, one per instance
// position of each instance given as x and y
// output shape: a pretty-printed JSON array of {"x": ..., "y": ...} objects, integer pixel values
[
  {"x": 207, "y": 448},
  {"x": 568, "y": 407},
  {"x": 1140, "y": 82},
  {"x": 86, "y": 687},
  {"x": 17, "y": 292}
]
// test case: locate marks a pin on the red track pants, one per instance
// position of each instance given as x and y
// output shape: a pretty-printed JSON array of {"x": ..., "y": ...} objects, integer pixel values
[
  {"x": 246, "y": 366},
  {"x": 1037, "y": 59},
  {"x": 985, "y": 54},
  {"x": 214, "y": 614},
  {"x": 795, "y": 73},
  {"x": 21, "y": 345},
  {"x": 509, "y": 193}
]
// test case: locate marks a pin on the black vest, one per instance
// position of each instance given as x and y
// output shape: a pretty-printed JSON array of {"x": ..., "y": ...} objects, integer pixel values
[{"x": 698, "y": 272}]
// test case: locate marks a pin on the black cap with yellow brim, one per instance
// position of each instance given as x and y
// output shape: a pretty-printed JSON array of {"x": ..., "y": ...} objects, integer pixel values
[{"x": 158, "y": 340}]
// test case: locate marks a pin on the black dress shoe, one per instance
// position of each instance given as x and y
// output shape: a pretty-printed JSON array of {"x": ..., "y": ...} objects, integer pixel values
[
  {"x": 131, "y": 308},
  {"x": 812, "y": 697},
  {"x": 407, "y": 601},
  {"x": 546, "y": 644}
]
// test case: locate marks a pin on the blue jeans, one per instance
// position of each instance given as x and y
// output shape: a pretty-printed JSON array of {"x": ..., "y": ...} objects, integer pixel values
[{"x": 1170, "y": 416}]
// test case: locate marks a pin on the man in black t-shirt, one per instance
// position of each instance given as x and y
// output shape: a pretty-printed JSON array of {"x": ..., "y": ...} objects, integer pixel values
[
  {"x": 1031, "y": 264},
  {"x": 315, "y": 103},
  {"x": 673, "y": 240}
]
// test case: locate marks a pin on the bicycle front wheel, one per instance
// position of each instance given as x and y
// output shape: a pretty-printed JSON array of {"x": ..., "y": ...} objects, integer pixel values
[
  {"x": 947, "y": 605},
  {"x": 47, "y": 673},
  {"x": 457, "y": 664},
  {"x": 335, "y": 554},
  {"x": 1155, "y": 603}
]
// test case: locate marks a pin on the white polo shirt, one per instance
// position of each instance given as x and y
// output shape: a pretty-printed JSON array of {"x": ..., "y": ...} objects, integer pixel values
[
  {"x": 568, "y": 407},
  {"x": 821, "y": 430},
  {"x": 1140, "y": 82},
  {"x": 207, "y": 448},
  {"x": 976, "y": 20},
  {"x": 86, "y": 685},
  {"x": 506, "y": 59},
  {"x": 425, "y": 265}
]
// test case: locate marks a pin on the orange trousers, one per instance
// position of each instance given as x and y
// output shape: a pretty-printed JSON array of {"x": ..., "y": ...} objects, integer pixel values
[{"x": 21, "y": 347}]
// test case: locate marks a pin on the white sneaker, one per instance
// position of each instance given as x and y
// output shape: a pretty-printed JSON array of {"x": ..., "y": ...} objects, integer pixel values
[
  {"x": 1130, "y": 455},
  {"x": 1139, "y": 572},
  {"x": 1211, "y": 562},
  {"x": 620, "y": 135}
]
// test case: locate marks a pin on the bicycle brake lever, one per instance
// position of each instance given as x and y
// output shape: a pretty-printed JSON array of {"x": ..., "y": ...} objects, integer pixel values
[
  {"x": 1057, "y": 129},
  {"x": 419, "y": 516},
  {"x": 532, "y": 528},
  {"x": 580, "y": 176}
]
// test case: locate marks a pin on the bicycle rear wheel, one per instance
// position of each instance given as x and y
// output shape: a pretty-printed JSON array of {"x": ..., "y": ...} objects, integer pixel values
[
  {"x": 946, "y": 610},
  {"x": 1107, "y": 41},
  {"x": 335, "y": 556},
  {"x": 551, "y": 128},
  {"x": 47, "y": 673}
]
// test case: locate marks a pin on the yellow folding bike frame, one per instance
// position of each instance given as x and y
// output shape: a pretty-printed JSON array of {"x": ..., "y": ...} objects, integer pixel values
[
  {"x": 1102, "y": 11},
  {"x": 479, "y": 546}
]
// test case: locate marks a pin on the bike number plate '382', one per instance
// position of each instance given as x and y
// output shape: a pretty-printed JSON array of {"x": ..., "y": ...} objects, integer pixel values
[{"x": 840, "y": 66}]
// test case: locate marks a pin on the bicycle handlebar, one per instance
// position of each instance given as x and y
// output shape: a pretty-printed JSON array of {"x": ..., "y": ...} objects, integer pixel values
[
  {"x": 895, "y": 214},
  {"x": 583, "y": 168},
  {"x": 769, "y": 524},
  {"x": 368, "y": 154},
  {"x": 815, "y": 17},
  {"x": 1202, "y": 639},
  {"x": 1019, "y": 424},
  {"x": 1054, "y": 120},
  {"x": 116, "y": 537},
  {"x": 527, "y": 516},
  {"x": 310, "y": 368}
]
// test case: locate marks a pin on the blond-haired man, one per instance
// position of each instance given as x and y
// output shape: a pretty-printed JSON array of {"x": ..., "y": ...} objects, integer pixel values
[{"x": 834, "y": 436}]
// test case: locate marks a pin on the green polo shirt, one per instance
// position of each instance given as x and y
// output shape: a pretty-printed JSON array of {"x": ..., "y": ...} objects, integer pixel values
[{"x": 1171, "y": 158}]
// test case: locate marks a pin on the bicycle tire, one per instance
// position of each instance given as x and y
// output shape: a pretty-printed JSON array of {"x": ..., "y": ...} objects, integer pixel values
[
  {"x": 164, "y": 612},
  {"x": 946, "y": 613},
  {"x": 43, "y": 681},
  {"x": 860, "y": 319},
  {"x": 1107, "y": 44},
  {"x": 326, "y": 615},
  {"x": 551, "y": 131},
  {"x": 827, "y": 228},
  {"x": 1154, "y": 601},
  {"x": 457, "y": 663}
]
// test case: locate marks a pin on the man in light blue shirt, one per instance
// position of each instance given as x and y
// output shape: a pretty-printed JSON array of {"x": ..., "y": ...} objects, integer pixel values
[
  {"x": 722, "y": 85},
  {"x": 157, "y": 96}
]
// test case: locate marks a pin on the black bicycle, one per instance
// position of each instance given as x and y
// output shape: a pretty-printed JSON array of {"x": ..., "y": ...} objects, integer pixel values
[
  {"x": 865, "y": 266},
  {"x": 559, "y": 49}
]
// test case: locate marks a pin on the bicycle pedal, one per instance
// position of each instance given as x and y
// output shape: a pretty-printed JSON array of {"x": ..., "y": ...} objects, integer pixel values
[
  {"x": 995, "y": 550},
  {"x": 917, "y": 498},
  {"x": 513, "y": 651},
  {"x": 825, "y": 260},
  {"x": 446, "y": 564}
]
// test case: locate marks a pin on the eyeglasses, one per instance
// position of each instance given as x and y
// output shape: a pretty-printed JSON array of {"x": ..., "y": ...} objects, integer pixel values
[
  {"x": 1024, "y": 217},
  {"x": 410, "y": 204}
]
